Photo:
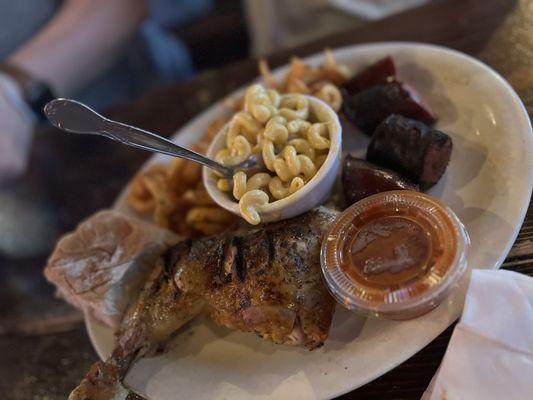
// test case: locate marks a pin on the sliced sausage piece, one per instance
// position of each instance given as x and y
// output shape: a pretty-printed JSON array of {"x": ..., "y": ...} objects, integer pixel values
[
  {"x": 381, "y": 71},
  {"x": 361, "y": 179},
  {"x": 411, "y": 148},
  {"x": 368, "y": 108}
]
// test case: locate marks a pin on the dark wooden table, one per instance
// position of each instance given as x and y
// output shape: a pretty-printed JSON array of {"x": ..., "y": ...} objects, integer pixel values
[{"x": 44, "y": 346}]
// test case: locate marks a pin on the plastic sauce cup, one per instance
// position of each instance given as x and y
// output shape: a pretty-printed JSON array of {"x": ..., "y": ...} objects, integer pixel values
[{"x": 394, "y": 255}]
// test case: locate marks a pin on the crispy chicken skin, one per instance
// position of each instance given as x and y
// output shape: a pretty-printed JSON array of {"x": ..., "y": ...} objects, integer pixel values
[{"x": 265, "y": 280}]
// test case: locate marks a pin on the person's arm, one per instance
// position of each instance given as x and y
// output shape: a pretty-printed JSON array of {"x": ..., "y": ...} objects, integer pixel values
[{"x": 79, "y": 42}]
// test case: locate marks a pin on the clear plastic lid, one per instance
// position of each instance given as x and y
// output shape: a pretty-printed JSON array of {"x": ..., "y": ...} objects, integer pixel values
[{"x": 394, "y": 255}]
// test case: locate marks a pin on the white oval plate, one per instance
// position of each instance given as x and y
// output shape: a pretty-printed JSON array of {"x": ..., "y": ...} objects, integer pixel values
[{"x": 488, "y": 184}]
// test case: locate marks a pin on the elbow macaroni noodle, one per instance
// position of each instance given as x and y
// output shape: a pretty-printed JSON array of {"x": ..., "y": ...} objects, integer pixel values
[
  {"x": 250, "y": 205},
  {"x": 317, "y": 136},
  {"x": 279, "y": 190},
  {"x": 292, "y": 147}
]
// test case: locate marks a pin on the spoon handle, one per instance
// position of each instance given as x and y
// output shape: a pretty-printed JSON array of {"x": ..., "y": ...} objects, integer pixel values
[
  {"x": 75, "y": 117},
  {"x": 136, "y": 137}
]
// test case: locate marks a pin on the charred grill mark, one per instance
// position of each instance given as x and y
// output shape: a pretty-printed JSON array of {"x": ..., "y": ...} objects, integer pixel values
[
  {"x": 228, "y": 260},
  {"x": 215, "y": 264},
  {"x": 271, "y": 248},
  {"x": 170, "y": 258},
  {"x": 239, "y": 266},
  {"x": 173, "y": 256},
  {"x": 154, "y": 288}
]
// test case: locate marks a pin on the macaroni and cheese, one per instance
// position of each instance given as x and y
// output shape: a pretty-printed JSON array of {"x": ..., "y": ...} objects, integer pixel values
[{"x": 292, "y": 146}]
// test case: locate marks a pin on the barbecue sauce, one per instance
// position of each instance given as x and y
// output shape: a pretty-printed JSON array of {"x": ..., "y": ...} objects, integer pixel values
[{"x": 388, "y": 249}]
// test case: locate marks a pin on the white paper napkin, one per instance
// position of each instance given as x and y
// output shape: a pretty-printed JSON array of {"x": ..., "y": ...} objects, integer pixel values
[{"x": 490, "y": 355}]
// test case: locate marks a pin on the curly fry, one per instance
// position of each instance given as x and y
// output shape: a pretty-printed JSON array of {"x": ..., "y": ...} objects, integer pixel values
[
  {"x": 139, "y": 196},
  {"x": 264, "y": 70}
]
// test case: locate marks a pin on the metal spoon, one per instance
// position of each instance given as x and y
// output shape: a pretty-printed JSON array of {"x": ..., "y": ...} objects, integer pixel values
[{"x": 75, "y": 117}]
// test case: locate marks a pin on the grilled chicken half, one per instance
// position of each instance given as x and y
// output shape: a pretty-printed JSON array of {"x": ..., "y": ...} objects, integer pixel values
[{"x": 266, "y": 280}]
